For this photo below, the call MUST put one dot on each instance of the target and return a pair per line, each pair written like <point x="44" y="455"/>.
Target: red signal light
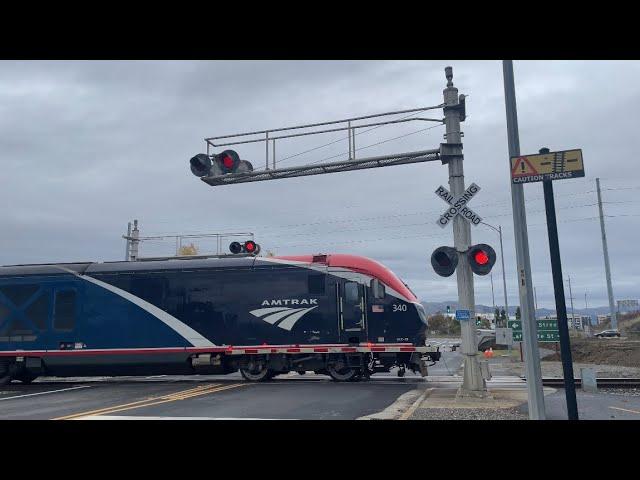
<point x="250" y="246"/>
<point x="481" y="257"/>
<point x="228" y="162"/>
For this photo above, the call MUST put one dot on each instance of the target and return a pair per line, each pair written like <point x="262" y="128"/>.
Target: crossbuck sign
<point x="458" y="205"/>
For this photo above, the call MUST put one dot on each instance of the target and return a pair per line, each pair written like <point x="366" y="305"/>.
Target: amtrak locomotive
<point x="341" y="315"/>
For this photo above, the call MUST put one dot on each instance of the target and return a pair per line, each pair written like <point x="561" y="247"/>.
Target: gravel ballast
<point x="468" y="414"/>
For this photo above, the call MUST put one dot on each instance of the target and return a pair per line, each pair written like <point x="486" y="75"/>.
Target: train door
<point x="352" y="311"/>
<point x="66" y="315"/>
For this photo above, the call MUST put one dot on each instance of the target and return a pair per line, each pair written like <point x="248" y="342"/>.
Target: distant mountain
<point x="435" y="307"/>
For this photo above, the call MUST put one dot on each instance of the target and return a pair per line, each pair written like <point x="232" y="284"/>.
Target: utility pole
<point x="529" y="325"/>
<point x="585" y="301"/>
<point x="473" y="384"/>
<point x="493" y="298"/>
<point x="128" y="250"/>
<point x="573" y="318"/>
<point x="607" y="268"/>
<point x="134" y="241"/>
<point x="504" y="279"/>
<point x="535" y="298"/>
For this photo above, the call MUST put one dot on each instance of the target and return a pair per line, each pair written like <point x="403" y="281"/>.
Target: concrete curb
<point x="416" y="404"/>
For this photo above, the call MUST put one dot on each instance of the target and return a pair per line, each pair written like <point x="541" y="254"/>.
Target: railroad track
<point x="602" y="382"/>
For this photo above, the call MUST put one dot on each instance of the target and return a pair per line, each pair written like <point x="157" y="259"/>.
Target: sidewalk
<point x="506" y="394"/>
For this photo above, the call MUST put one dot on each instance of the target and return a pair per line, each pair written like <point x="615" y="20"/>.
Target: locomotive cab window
<point x="377" y="288"/>
<point x="316" y="284"/>
<point x="351" y="293"/>
<point x="65" y="310"/>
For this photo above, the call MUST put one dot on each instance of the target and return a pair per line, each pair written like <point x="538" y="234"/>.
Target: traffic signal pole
<point x="473" y="384"/>
<point x="525" y="288"/>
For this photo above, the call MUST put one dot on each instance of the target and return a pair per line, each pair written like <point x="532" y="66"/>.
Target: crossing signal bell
<point x="203" y="165"/>
<point x="247" y="247"/>
<point x="481" y="258"/>
<point x="444" y="261"/>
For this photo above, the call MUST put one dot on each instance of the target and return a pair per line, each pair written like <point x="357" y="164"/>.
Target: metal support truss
<point x="321" y="168"/>
<point x="350" y="125"/>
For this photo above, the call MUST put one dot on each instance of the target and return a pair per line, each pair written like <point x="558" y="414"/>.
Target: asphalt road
<point x="290" y="396"/>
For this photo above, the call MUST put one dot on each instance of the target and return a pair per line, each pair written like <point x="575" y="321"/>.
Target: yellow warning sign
<point x="547" y="166"/>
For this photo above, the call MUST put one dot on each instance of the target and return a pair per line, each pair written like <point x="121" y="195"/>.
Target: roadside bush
<point x="442" y="324"/>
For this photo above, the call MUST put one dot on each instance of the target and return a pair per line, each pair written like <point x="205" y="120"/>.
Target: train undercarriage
<point x="340" y="367"/>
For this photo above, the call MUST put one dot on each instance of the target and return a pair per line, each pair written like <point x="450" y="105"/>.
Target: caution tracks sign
<point x="547" y="166"/>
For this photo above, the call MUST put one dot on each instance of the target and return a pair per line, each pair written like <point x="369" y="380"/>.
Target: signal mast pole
<point x="473" y="384"/>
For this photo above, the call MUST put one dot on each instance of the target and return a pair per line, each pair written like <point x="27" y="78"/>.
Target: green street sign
<point x="547" y="330"/>
<point x="546" y="325"/>
<point x="542" y="336"/>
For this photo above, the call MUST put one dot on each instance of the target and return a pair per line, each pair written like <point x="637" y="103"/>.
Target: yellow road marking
<point x="625" y="409"/>
<point x="133" y="403"/>
<point x="181" y="395"/>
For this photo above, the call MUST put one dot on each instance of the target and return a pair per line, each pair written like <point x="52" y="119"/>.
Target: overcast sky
<point x="87" y="146"/>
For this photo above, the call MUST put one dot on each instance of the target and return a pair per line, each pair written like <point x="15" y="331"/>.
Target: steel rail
<point x="601" y="382"/>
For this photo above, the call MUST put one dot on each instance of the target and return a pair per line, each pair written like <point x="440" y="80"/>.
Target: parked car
<point x="608" y="333"/>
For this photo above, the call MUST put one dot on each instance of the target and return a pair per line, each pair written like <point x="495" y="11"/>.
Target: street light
<point x="504" y="280"/>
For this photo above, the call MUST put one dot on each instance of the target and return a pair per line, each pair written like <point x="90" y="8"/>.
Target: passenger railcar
<point x="342" y="315"/>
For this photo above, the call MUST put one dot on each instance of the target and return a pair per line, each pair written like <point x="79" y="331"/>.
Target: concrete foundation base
<point x="467" y="394"/>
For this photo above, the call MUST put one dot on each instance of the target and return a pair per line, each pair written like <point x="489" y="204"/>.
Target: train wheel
<point x="5" y="373"/>
<point x="345" y="374"/>
<point x="27" y="377"/>
<point x="257" y="374"/>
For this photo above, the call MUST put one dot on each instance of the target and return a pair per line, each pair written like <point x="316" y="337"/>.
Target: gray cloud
<point x="87" y="146"/>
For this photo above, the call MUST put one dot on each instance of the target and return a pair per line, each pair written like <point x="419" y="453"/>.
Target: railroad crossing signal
<point x="547" y="166"/>
<point x="444" y="261"/>
<point x="203" y="165"/>
<point x="481" y="257"/>
<point x="458" y="205"/>
<point x="247" y="247"/>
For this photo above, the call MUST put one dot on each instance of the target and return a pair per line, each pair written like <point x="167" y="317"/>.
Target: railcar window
<point x="65" y="311"/>
<point x="316" y="284"/>
<point x="38" y="311"/>
<point x="351" y="293"/>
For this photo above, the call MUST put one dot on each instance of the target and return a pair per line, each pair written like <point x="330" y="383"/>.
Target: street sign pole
<point x="473" y="384"/>
<point x="532" y="357"/>
<point x="561" y="308"/>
